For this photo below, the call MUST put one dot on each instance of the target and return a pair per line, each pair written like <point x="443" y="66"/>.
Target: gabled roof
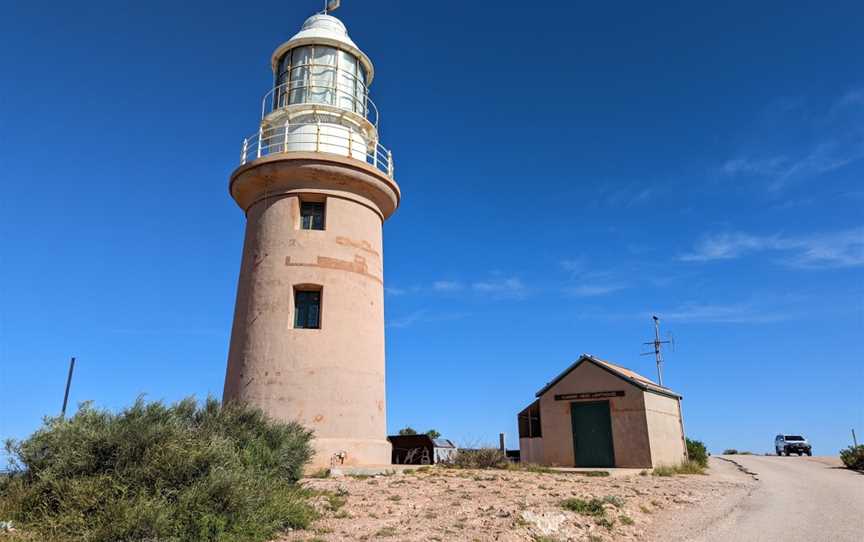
<point x="623" y="373"/>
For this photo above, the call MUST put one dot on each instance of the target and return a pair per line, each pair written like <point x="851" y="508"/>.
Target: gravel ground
<point x="796" y="499"/>
<point x="448" y="504"/>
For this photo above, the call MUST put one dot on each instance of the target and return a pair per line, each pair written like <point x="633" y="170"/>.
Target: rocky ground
<point x="484" y="505"/>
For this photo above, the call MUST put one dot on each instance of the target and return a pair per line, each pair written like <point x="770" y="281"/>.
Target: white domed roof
<point x="321" y="25"/>
<point x="326" y="30"/>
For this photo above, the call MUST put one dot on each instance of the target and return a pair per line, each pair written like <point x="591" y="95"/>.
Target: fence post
<point x="390" y="167"/>
<point x="68" y="384"/>
<point x="260" y="138"/>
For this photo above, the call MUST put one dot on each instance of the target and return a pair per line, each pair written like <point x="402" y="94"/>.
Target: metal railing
<point x="317" y="137"/>
<point x="339" y="96"/>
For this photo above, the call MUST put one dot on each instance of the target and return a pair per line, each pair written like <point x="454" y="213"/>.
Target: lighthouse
<point x="316" y="185"/>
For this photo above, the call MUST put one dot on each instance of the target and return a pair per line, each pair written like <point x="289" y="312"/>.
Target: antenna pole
<point x="68" y="384"/>
<point x="658" y="355"/>
<point x="658" y="349"/>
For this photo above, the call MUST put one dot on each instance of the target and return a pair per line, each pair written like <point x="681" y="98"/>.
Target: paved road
<point x="795" y="499"/>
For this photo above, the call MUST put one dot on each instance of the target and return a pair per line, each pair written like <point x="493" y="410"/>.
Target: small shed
<point x="599" y="414"/>
<point x="420" y="449"/>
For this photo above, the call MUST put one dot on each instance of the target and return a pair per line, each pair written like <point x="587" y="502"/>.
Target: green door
<point x="592" y="434"/>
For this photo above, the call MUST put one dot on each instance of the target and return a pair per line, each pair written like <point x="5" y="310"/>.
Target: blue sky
<point x="566" y="172"/>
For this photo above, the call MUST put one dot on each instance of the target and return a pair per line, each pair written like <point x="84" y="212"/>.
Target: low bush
<point x="481" y="458"/>
<point x="730" y="451"/>
<point x="687" y="467"/>
<point x="614" y="500"/>
<point x="697" y="452"/>
<point x="594" y="473"/>
<point x="179" y="473"/>
<point x="592" y="507"/>
<point x="853" y="457"/>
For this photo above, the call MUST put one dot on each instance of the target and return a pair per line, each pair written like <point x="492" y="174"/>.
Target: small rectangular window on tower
<point x="307" y="309"/>
<point x="311" y="215"/>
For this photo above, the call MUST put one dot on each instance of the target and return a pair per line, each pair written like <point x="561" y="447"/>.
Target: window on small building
<point x="307" y="309"/>
<point x="529" y="421"/>
<point x="311" y="215"/>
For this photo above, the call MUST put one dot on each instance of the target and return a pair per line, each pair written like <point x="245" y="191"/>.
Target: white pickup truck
<point x="790" y="444"/>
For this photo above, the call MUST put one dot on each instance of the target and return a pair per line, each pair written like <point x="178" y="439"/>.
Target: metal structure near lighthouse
<point x="307" y="343"/>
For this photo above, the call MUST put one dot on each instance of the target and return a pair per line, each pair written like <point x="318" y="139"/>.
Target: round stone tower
<point x="316" y="185"/>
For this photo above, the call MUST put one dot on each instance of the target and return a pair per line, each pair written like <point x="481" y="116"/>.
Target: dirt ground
<point x="484" y="505"/>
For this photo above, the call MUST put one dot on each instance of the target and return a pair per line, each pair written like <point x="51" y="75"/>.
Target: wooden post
<point x="68" y="384"/>
<point x="854" y="440"/>
<point x="501" y="445"/>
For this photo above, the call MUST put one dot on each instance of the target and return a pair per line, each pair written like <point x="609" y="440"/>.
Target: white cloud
<point x="589" y="290"/>
<point x="590" y="283"/>
<point x="574" y="266"/>
<point x="824" y="157"/>
<point x="408" y="319"/>
<point x="395" y="291"/>
<point x="841" y="249"/>
<point x="447" y="286"/>
<point x="423" y="316"/>
<point x="725" y="314"/>
<point x="837" y="140"/>
<point x="625" y="195"/>
<point x="821" y="251"/>
<point x="727" y="246"/>
<point x="497" y="286"/>
<point x="510" y="287"/>
<point x="755" y="166"/>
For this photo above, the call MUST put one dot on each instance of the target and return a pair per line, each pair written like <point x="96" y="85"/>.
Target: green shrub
<point x="687" y="467"/>
<point x="595" y="473"/>
<point x="697" y="452"/>
<point x="530" y="467"/>
<point x="614" y="500"/>
<point x="593" y="507"/>
<point x="853" y="457"/>
<point x="481" y="458"/>
<point x="169" y="473"/>
<point x="730" y="451"/>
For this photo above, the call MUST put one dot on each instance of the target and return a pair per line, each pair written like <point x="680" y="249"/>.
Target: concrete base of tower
<point x="338" y="452"/>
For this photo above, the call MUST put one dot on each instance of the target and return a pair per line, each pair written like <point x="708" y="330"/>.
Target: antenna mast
<point x="658" y="353"/>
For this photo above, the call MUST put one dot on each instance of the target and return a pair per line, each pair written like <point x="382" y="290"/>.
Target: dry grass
<point x="687" y="467"/>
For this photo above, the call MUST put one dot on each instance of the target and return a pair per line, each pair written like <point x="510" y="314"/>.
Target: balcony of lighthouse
<point x="316" y="130"/>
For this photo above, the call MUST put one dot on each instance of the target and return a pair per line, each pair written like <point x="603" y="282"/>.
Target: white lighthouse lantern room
<point x="320" y="99"/>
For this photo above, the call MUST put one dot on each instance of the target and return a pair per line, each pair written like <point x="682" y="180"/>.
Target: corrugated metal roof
<point x="631" y="376"/>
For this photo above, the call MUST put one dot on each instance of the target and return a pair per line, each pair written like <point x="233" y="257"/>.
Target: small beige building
<point x="598" y="414"/>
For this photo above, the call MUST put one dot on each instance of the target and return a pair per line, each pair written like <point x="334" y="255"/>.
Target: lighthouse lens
<point x="319" y="74"/>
